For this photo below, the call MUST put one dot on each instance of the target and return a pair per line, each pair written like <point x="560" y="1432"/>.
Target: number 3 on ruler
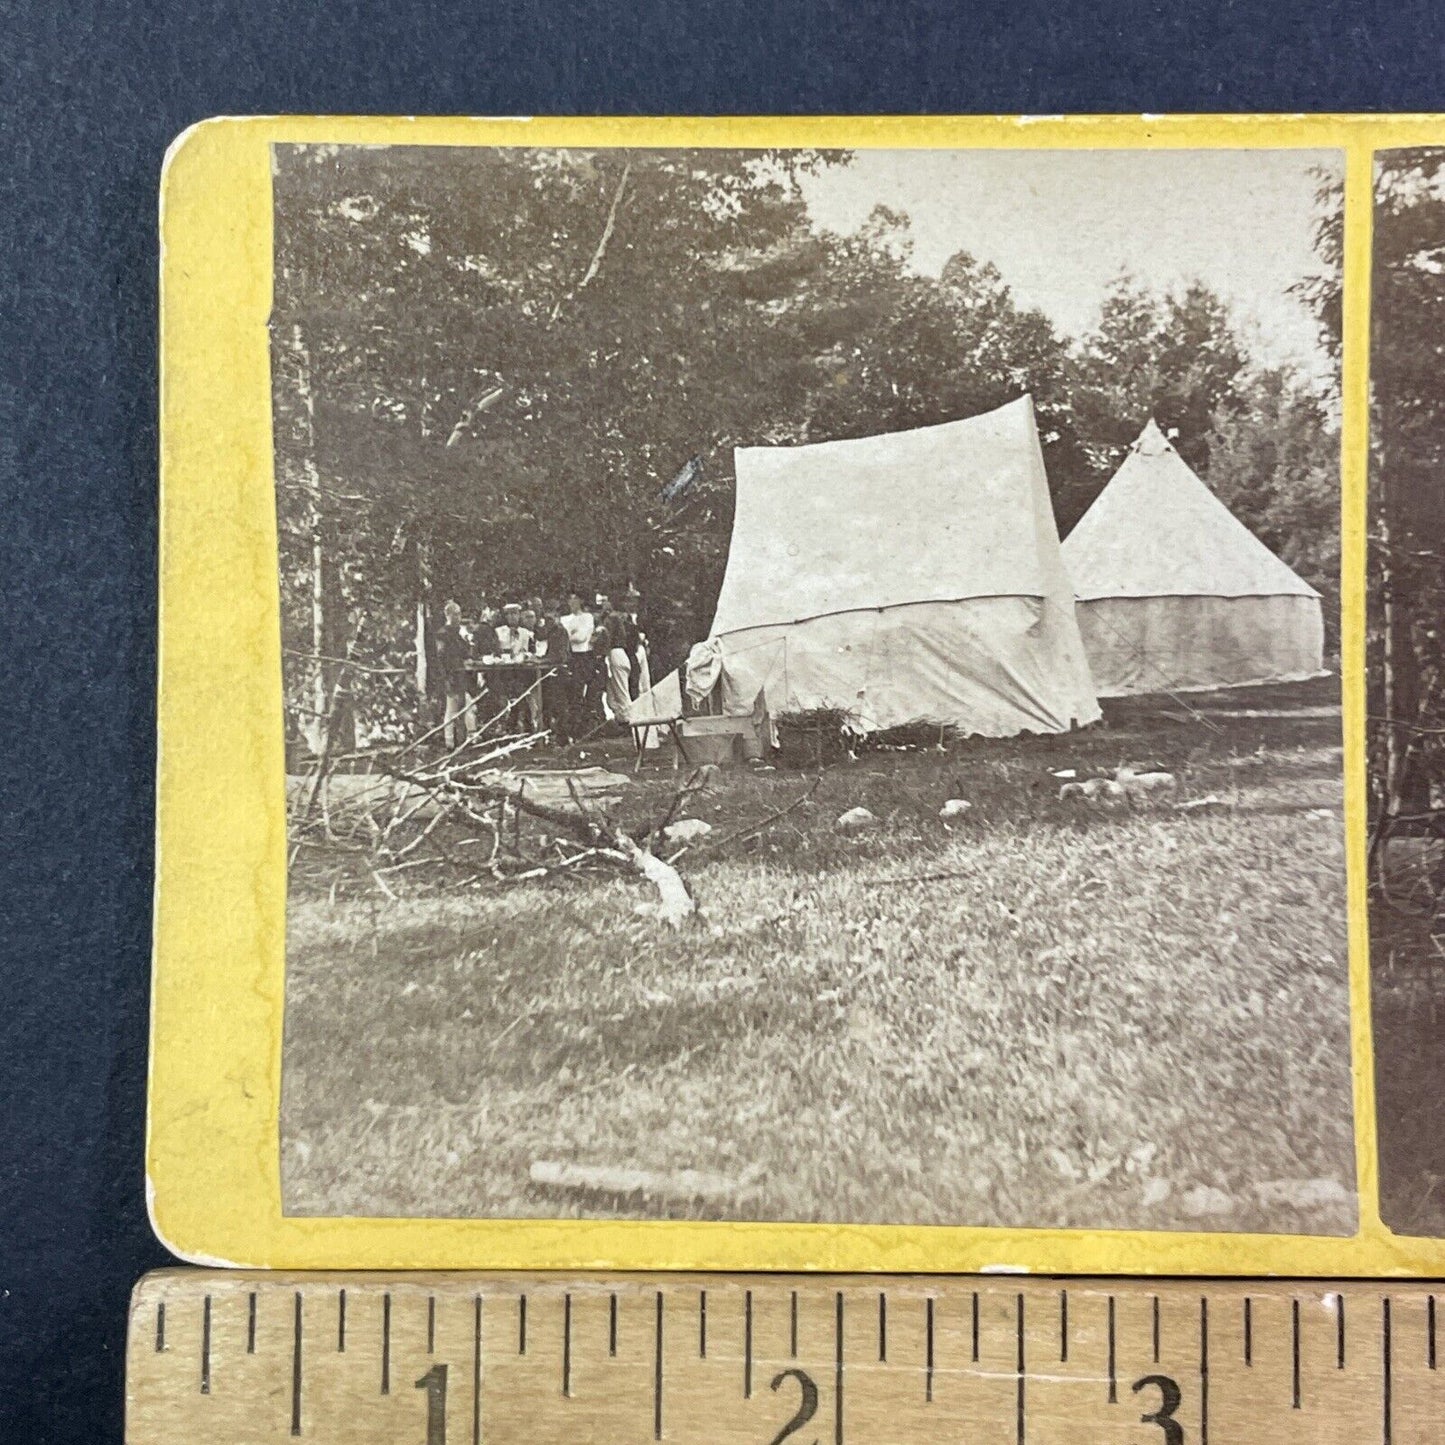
<point x="434" y="1382"/>
<point x="1170" y="1397"/>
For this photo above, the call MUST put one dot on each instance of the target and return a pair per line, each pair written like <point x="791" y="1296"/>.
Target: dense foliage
<point x="489" y="363"/>
<point x="1407" y="528"/>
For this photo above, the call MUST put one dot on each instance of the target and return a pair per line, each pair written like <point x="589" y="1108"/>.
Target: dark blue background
<point x="92" y="93"/>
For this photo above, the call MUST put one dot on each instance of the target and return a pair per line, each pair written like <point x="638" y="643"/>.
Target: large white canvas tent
<point x="913" y="576"/>
<point x="1176" y="594"/>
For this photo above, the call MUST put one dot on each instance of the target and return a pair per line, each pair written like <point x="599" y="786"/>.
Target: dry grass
<point x="1100" y="1017"/>
<point x="1407" y="968"/>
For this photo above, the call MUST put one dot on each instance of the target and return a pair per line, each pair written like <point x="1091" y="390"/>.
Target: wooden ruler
<point x="226" y="1357"/>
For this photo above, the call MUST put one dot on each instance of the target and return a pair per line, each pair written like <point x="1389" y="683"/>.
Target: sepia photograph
<point x="1405" y="669"/>
<point x="811" y="685"/>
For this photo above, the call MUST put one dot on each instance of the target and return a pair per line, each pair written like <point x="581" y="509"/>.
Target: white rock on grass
<point x="954" y="808"/>
<point x="686" y="830"/>
<point x="1303" y="1193"/>
<point x="1205" y="1200"/>
<point x="855" y="820"/>
<point x="680" y="1184"/>
<point x="1211" y="804"/>
<point x="1156" y="1191"/>
<point x="1145" y="785"/>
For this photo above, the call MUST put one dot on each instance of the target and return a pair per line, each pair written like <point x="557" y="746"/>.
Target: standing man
<point x="451" y="657"/>
<point x="642" y="675"/>
<point x="482" y="634"/>
<point x="532" y="649"/>
<point x="513" y="643"/>
<point x="513" y="638"/>
<point x="554" y="647"/>
<point x="581" y="627"/>
<point x="621" y="646"/>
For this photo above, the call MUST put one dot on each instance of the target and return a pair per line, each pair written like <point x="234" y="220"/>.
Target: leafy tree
<point x="1274" y="460"/>
<point x="488" y="364"/>
<point x="1407" y="531"/>
<point x="1175" y="357"/>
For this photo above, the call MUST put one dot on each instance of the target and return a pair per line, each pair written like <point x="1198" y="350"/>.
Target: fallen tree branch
<point x="606" y="839"/>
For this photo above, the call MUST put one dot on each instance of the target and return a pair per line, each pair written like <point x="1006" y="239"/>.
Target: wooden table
<point x="526" y="671"/>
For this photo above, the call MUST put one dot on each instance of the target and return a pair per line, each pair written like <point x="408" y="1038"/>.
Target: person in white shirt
<point x="582" y="677"/>
<point x="514" y="639"/>
<point x="514" y="642"/>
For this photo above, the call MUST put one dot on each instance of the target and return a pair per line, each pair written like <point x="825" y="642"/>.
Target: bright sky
<point x="1061" y="225"/>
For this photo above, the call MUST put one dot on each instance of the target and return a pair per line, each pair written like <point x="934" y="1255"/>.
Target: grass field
<point x="1407" y="970"/>
<point x="1117" y="1019"/>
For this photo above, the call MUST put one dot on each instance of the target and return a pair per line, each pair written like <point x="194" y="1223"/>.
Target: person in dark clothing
<point x="452" y="652"/>
<point x="619" y="654"/>
<point x="552" y="644"/>
<point x="483" y="637"/>
<point x="637" y="645"/>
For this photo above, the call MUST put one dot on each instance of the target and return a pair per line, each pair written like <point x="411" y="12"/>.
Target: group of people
<point x="590" y="662"/>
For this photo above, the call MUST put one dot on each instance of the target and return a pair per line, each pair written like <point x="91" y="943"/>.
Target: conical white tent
<point x="1176" y="594"/>
<point x="913" y="576"/>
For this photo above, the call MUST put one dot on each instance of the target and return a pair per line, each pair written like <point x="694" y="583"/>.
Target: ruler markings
<point x="386" y="1344"/>
<point x="1113" y="1357"/>
<point x="657" y="1374"/>
<point x="206" y="1346"/>
<point x="190" y="1334"/>
<point x="1387" y="1424"/>
<point x="1022" y="1367"/>
<point x="1203" y="1371"/>
<point x="296" y="1366"/>
<point x="747" y="1345"/>
<point x="477" y="1370"/>
<point x="567" y="1344"/>
<point x="1295" y="1355"/>
<point x="928" y="1350"/>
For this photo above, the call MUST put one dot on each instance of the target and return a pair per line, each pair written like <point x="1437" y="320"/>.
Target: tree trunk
<point x="1406" y="783"/>
<point x="421" y="584"/>
<point x="334" y="720"/>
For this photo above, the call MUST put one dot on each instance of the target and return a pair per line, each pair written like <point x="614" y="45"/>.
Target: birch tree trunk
<point x="1407" y="787"/>
<point x="333" y="722"/>
<point x="421" y="556"/>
